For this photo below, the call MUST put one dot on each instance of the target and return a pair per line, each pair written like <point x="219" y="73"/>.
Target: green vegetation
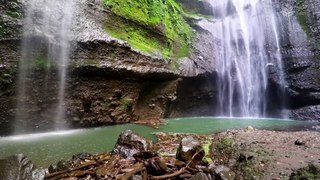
<point x="312" y="171"/>
<point x="7" y="76"/>
<point x="302" y="16"/>
<point x="225" y="143"/>
<point x="4" y="30"/>
<point x="12" y="9"/>
<point x="127" y="104"/>
<point x="206" y="145"/>
<point x="153" y="26"/>
<point x="41" y="62"/>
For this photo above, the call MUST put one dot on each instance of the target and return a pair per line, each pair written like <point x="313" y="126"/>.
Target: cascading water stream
<point x="43" y="64"/>
<point x="247" y="45"/>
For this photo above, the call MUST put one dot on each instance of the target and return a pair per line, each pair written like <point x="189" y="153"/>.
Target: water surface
<point x="47" y="148"/>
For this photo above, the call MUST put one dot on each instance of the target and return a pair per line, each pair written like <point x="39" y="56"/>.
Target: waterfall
<point x="43" y="63"/>
<point x="247" y="46"/>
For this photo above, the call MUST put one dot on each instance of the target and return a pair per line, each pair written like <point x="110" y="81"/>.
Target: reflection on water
<point x="47" y="148"/>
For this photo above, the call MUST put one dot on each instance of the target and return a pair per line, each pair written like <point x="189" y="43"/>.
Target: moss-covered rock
<point x="153" y="26"/>
<point x="11" y="12"/>
<point x="7" y="77"/>
<point x="312" y="171"/>
<point x="302" y="15"/>
<point x="200" y="7"/>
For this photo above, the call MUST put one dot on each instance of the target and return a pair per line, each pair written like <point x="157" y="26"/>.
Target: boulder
<point x="19" y="167"/>
<point x="306" y="113"/>
<point x="190" y="151"/>
<point x="223" y="173"/>
<point x="130" y="143"/>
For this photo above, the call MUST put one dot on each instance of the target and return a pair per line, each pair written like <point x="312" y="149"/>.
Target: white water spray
<point x="247" y="44"/>
<point x="43" y="65"/>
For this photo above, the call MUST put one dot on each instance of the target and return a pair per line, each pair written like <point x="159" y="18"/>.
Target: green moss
<point x="4" y="30"/>
<point x="302" y="16"/>
<point x="7" y="77"/>
<point x="152" y="26"/>
<point x="13" y="10"/>
<point x="138" y="37"/>
<point x="127" y="104"/>
<point x="227" y="142"/>
<point x="13" y="14"/>
<point x="41" y="62"/>
<point x="7" y="25"/>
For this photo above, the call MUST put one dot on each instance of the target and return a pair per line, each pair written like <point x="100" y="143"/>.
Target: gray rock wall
<point x="300" y="32"/>
<point x="109" y="82"/>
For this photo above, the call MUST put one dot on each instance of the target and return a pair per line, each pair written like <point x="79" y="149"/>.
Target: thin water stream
<point x="47" y="148"/>
<point x="43" y="65"/>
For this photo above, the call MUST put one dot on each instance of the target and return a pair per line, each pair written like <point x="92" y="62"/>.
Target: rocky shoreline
<point x="234" y="154"/>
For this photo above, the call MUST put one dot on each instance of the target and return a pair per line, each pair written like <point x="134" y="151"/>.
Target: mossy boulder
<point x="312" y="171"/>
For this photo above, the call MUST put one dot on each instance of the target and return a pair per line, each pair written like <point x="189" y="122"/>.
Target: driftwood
<point x="148" y="165"/>
<point x="166" y="176"/>
<point x="86" y="165"/>
<point x="50" y="176"/>
<point x="128" y="175"/>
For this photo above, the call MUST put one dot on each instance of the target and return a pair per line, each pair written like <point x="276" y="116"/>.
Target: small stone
<point x="63" y="165"/>
<point x="250" y="129"/>
<point x="76" y="119"/>
<point x="299" y="142"/>
<point x="137" y="177"/>
<point x="223" y="173"/>
<point x="246" y="156"/>
<point x="152" y="106"/>
<point x="118" y="93"/>
<point x="114" y="104"/>
<point x="200" y="176"/>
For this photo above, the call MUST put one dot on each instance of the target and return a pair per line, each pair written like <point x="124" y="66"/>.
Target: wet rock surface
<point x="203" y="7"/>
<point x="299" y="30"/>
<point x="195" y="96"/>
<point x="129" y="144"/>
<point x="10" y="19"/>
<point x="223" y="173"/>
<point x="190" y="151"/>
<point x="99" y="66"/>
<point x="19" y="167"/>
<point x="306" y="113"/>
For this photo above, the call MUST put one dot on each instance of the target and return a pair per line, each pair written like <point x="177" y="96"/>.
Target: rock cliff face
<point x="109" y="81"/>
<point x="300" y="34"/>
